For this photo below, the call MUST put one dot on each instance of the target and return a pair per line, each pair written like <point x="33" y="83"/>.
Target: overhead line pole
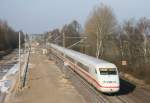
<point x="64" y="40"/>
<point x="19" y="62"/>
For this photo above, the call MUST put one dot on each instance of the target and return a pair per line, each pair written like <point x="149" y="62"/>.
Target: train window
<point x="108" y="71"/>
<point x="70" y="58"/>
<point x="83" y="67"/>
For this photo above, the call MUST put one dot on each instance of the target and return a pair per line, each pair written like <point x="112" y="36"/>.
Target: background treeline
<point x="126" y="44"/>
<point x="8" y="37"/>
<point x="69" y="34"/>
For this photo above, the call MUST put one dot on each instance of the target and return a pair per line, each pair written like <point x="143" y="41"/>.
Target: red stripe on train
<point x="89" y="76"/>
<point x="97" y="85"/>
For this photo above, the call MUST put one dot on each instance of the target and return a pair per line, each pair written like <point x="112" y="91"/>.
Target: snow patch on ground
<point x="5" y="84"/>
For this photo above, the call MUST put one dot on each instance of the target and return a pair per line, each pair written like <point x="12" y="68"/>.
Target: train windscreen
<point x="108" y="71"/>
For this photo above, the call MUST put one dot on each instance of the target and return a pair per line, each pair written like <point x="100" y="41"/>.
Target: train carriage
<point x="103" y="75"/>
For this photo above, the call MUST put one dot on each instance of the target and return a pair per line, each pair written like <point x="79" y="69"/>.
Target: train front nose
<point x="110" y="84"/>
<point x="110" y="88"/>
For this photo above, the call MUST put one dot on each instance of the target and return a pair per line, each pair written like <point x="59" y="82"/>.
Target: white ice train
<point x="103" y="75"/>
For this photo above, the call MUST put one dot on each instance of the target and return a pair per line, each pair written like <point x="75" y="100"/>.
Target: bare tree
<point x="144" y="29"/>
<point x="100" y="24"/>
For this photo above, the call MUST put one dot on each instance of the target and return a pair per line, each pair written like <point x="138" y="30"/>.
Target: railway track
<point x="86" y="89"/>
<point x="8" y="59"/>
<point x="6" y="62"/>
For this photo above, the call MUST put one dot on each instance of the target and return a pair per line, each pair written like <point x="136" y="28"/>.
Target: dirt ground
<point x="46" y="84"/>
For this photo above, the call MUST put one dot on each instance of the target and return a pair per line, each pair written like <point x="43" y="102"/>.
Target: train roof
<point x="83" y="58"/>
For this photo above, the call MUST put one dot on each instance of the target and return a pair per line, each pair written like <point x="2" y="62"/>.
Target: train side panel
<point x="89" y="72"/>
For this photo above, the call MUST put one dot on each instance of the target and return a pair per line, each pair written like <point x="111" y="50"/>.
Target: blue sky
<point x="37" y="16"/>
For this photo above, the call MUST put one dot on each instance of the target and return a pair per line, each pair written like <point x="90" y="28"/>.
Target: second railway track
<point x="7" y="61"/>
